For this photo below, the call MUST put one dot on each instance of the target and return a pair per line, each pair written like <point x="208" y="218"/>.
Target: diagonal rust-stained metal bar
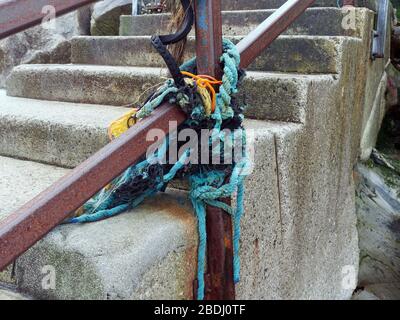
<point x="18" y="15"/>
<point x="24" y="227"/>
<point x="261" y="37"/>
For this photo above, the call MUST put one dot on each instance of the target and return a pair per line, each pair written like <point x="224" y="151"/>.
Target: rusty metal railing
<point x="18" y="15"/>
<point x="24" y="227"/>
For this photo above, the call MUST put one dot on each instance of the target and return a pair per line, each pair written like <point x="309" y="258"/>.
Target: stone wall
<point x="43" y="45"/>
<point x="105" y="16"/>
<point x="379" y="229"/>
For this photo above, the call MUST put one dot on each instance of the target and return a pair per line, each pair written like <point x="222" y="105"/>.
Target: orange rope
<point x="205" y="81"/>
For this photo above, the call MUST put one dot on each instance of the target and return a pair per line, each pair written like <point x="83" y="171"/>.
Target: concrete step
<point x="269" y="4"/>
<point x="23" y="180"/>
<point x="65" y="134"/>
<point x="314" y="21"/>
<point x="302" y="54"/>
<point x="7" y="294"/>
<point x="275" y="96"/>
<point x="57" y="133"/>
<point x="147" y="253"/>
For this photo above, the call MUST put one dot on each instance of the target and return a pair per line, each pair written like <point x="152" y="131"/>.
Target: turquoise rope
<point x="207" y="187"/>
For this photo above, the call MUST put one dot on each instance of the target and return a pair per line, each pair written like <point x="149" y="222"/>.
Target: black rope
<point x="160" y="43"/>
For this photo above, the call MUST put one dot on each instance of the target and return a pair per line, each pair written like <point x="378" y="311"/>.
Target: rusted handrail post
<point x="208" y="37"/>
<point x="219" y="277"/>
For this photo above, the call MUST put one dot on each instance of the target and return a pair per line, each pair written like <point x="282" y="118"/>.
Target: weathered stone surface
<point x="364" y="295"/>
<point x="41" y="45"/>
<point x="6" y="276"/>
<point x="263" y="263"/>
<point x="83" y="83"/>
<point x="20" y="182"/>
<point x="116" y="258"/>
<point x="272" y="96"/>
<point x="316" y="189"/>
<point x="314" y="235"/>
<point x="317" y="201"/>
<point x="380" y="291"/>
<point x="7" y="294"/>
<point x="28" y="178"/>
<point x="172" y="277"/>
<point x="106" y="14"/>
<point x="385" y="291"/>
<point x="297" y="54"/>
<point x="373" y="124"/>
<point x="57" y="133"/>
<point x="374" y="92"/>
<point x="172" y="216"/>
<point x="315" y="21"/>
<point x="268" y="4"/>
<point x="378" y="225"/>
<point x="299" y="231"/>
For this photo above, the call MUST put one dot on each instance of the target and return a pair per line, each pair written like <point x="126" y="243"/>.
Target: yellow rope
<point x="207" y="83"/>
<point x="204" y="95"/>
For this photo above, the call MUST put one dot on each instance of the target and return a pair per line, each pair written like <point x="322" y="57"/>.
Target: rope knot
<point x="206" y="108"/>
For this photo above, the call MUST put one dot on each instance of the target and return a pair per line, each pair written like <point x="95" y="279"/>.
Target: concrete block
<point x="82" y="84"/>
<point x="314" y="21"/>
<point x="319" y="233"/>
<point x="296" y="54"/>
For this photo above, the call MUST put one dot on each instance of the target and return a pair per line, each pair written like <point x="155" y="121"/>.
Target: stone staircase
<point x="310" y="96"/>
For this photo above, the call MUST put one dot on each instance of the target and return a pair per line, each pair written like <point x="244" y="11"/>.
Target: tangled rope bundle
<point x="208" y="183"/>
